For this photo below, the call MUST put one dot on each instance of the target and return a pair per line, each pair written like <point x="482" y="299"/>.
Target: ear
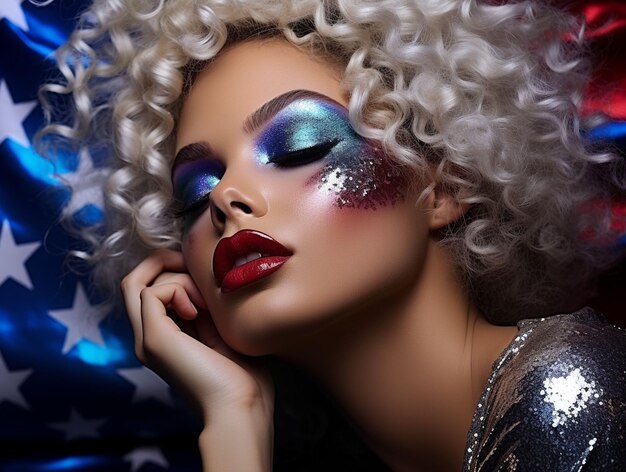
<point x="444" y="209"/>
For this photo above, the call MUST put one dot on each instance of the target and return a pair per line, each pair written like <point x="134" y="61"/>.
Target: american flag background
<point x="73" y="397"/>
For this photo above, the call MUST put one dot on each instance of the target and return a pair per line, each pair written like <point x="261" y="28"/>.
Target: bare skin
<point x="234" y="395"/>
<point x="397" y="342"/>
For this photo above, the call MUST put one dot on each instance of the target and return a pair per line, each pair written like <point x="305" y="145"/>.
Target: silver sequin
<point x="555" y="400"/>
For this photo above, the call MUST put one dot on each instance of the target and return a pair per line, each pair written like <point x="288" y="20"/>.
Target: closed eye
<point x="198" y="206"/>
<point x="192" y="183"/>
<point x="305" y="156"/>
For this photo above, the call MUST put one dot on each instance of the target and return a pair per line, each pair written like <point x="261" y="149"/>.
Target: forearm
<point x="237" y="441"/>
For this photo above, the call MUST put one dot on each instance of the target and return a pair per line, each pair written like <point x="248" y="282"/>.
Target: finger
<point x="187" y="282"/>
<point x="157" y="328"/>
<point x="162" y="260"/>
<point x="174" y="297"/>
<point x="153" y="314"/>
<point x="140" y="277"/>
<point x="172" y="352"/>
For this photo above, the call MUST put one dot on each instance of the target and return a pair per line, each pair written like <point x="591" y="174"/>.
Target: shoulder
<point x="557" y="400"/>
<point x="578" y="345"/>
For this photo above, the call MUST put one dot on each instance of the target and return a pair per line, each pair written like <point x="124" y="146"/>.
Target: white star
<point x="79" y="427"/>
<point x="147" y="385"/>
<point x="12" y="11"/>
<point x="14" y="256"/>
<point x="12" y="116"/>
<point x="144" y="455"/>
<point x="10" y="383"/>
<point x="86" y="184"/>
<point x="81" y="320"/>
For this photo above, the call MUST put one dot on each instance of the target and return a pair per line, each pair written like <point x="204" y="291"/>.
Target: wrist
<point x="237" y="439"/>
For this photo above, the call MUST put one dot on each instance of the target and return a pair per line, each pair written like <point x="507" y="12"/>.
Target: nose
<point x="235" y="201"/>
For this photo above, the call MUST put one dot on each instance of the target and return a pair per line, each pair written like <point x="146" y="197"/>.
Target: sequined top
<point x="555" y="400"/>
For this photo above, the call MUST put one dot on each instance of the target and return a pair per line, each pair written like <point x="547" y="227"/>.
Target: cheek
<point x="364" y="215"/>
<point x="361" y="178"/>
<point x="353" y="195"/>
<point x="198" y="252"/>
<point x="360" y="227"/>
<point x="350" y="258"/>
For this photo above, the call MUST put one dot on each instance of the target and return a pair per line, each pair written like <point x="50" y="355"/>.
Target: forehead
<point x="244" y="77"/>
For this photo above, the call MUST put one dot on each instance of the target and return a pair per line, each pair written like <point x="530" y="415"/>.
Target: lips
<point x="245" y="257"/>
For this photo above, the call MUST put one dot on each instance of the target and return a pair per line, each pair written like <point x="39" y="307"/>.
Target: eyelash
<point x="198" y="205"/>
<point x="291" y="159"/>
<point x="304" y="156"/>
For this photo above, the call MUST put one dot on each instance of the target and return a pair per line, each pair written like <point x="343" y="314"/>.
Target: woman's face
<point x="311" y="222"/>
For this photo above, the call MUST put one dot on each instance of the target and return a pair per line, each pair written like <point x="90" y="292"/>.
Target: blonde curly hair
<point x="483" y="96"/>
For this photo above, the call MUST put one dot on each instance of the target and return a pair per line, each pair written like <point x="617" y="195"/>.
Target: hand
<point x="175" y="336"/>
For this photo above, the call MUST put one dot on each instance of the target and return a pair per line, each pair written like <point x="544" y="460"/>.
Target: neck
<point x="409" y="370"/>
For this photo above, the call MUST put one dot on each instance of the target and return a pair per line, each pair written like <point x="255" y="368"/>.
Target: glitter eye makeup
<point x="193" y="181"/>
<point x="300" y="126"/>
<point x="356" y="172"/>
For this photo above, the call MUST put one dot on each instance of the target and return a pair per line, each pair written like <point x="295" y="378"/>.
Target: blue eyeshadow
<point x="356" y="171"/>
<point x="194" y="180"/>
<point x="353" y="170"/>
<point x="306" y="123"/>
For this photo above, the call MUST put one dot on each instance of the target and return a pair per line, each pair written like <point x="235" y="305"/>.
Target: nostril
<point x="241" y="206"/>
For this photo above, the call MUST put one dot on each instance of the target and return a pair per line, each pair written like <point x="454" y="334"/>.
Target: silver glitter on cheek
<point x="362" y="178"/>
<point x="333" y="180"/>
<point x="568" y="396"/>
<point x="356" y="173"/>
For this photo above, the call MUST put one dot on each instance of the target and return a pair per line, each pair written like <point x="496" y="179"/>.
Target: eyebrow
<point x="259" y="117"/>
<point x="191" y="152"/>
<point x="200" y="150"/>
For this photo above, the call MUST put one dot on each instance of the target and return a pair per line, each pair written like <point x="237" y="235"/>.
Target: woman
<point x="367" y="191"/>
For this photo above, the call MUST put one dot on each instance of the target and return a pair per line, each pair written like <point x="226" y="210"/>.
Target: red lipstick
<point x="245" y="257"/>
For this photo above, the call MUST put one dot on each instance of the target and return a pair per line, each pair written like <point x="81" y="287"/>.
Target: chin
<point x="258" y="341"/>
<point x="268" y="324"/>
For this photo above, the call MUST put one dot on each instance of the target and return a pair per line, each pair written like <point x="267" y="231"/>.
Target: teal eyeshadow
<point x="194" y="180"/>
<point x="305" y="123"/>
<point x="355" y="171"/>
